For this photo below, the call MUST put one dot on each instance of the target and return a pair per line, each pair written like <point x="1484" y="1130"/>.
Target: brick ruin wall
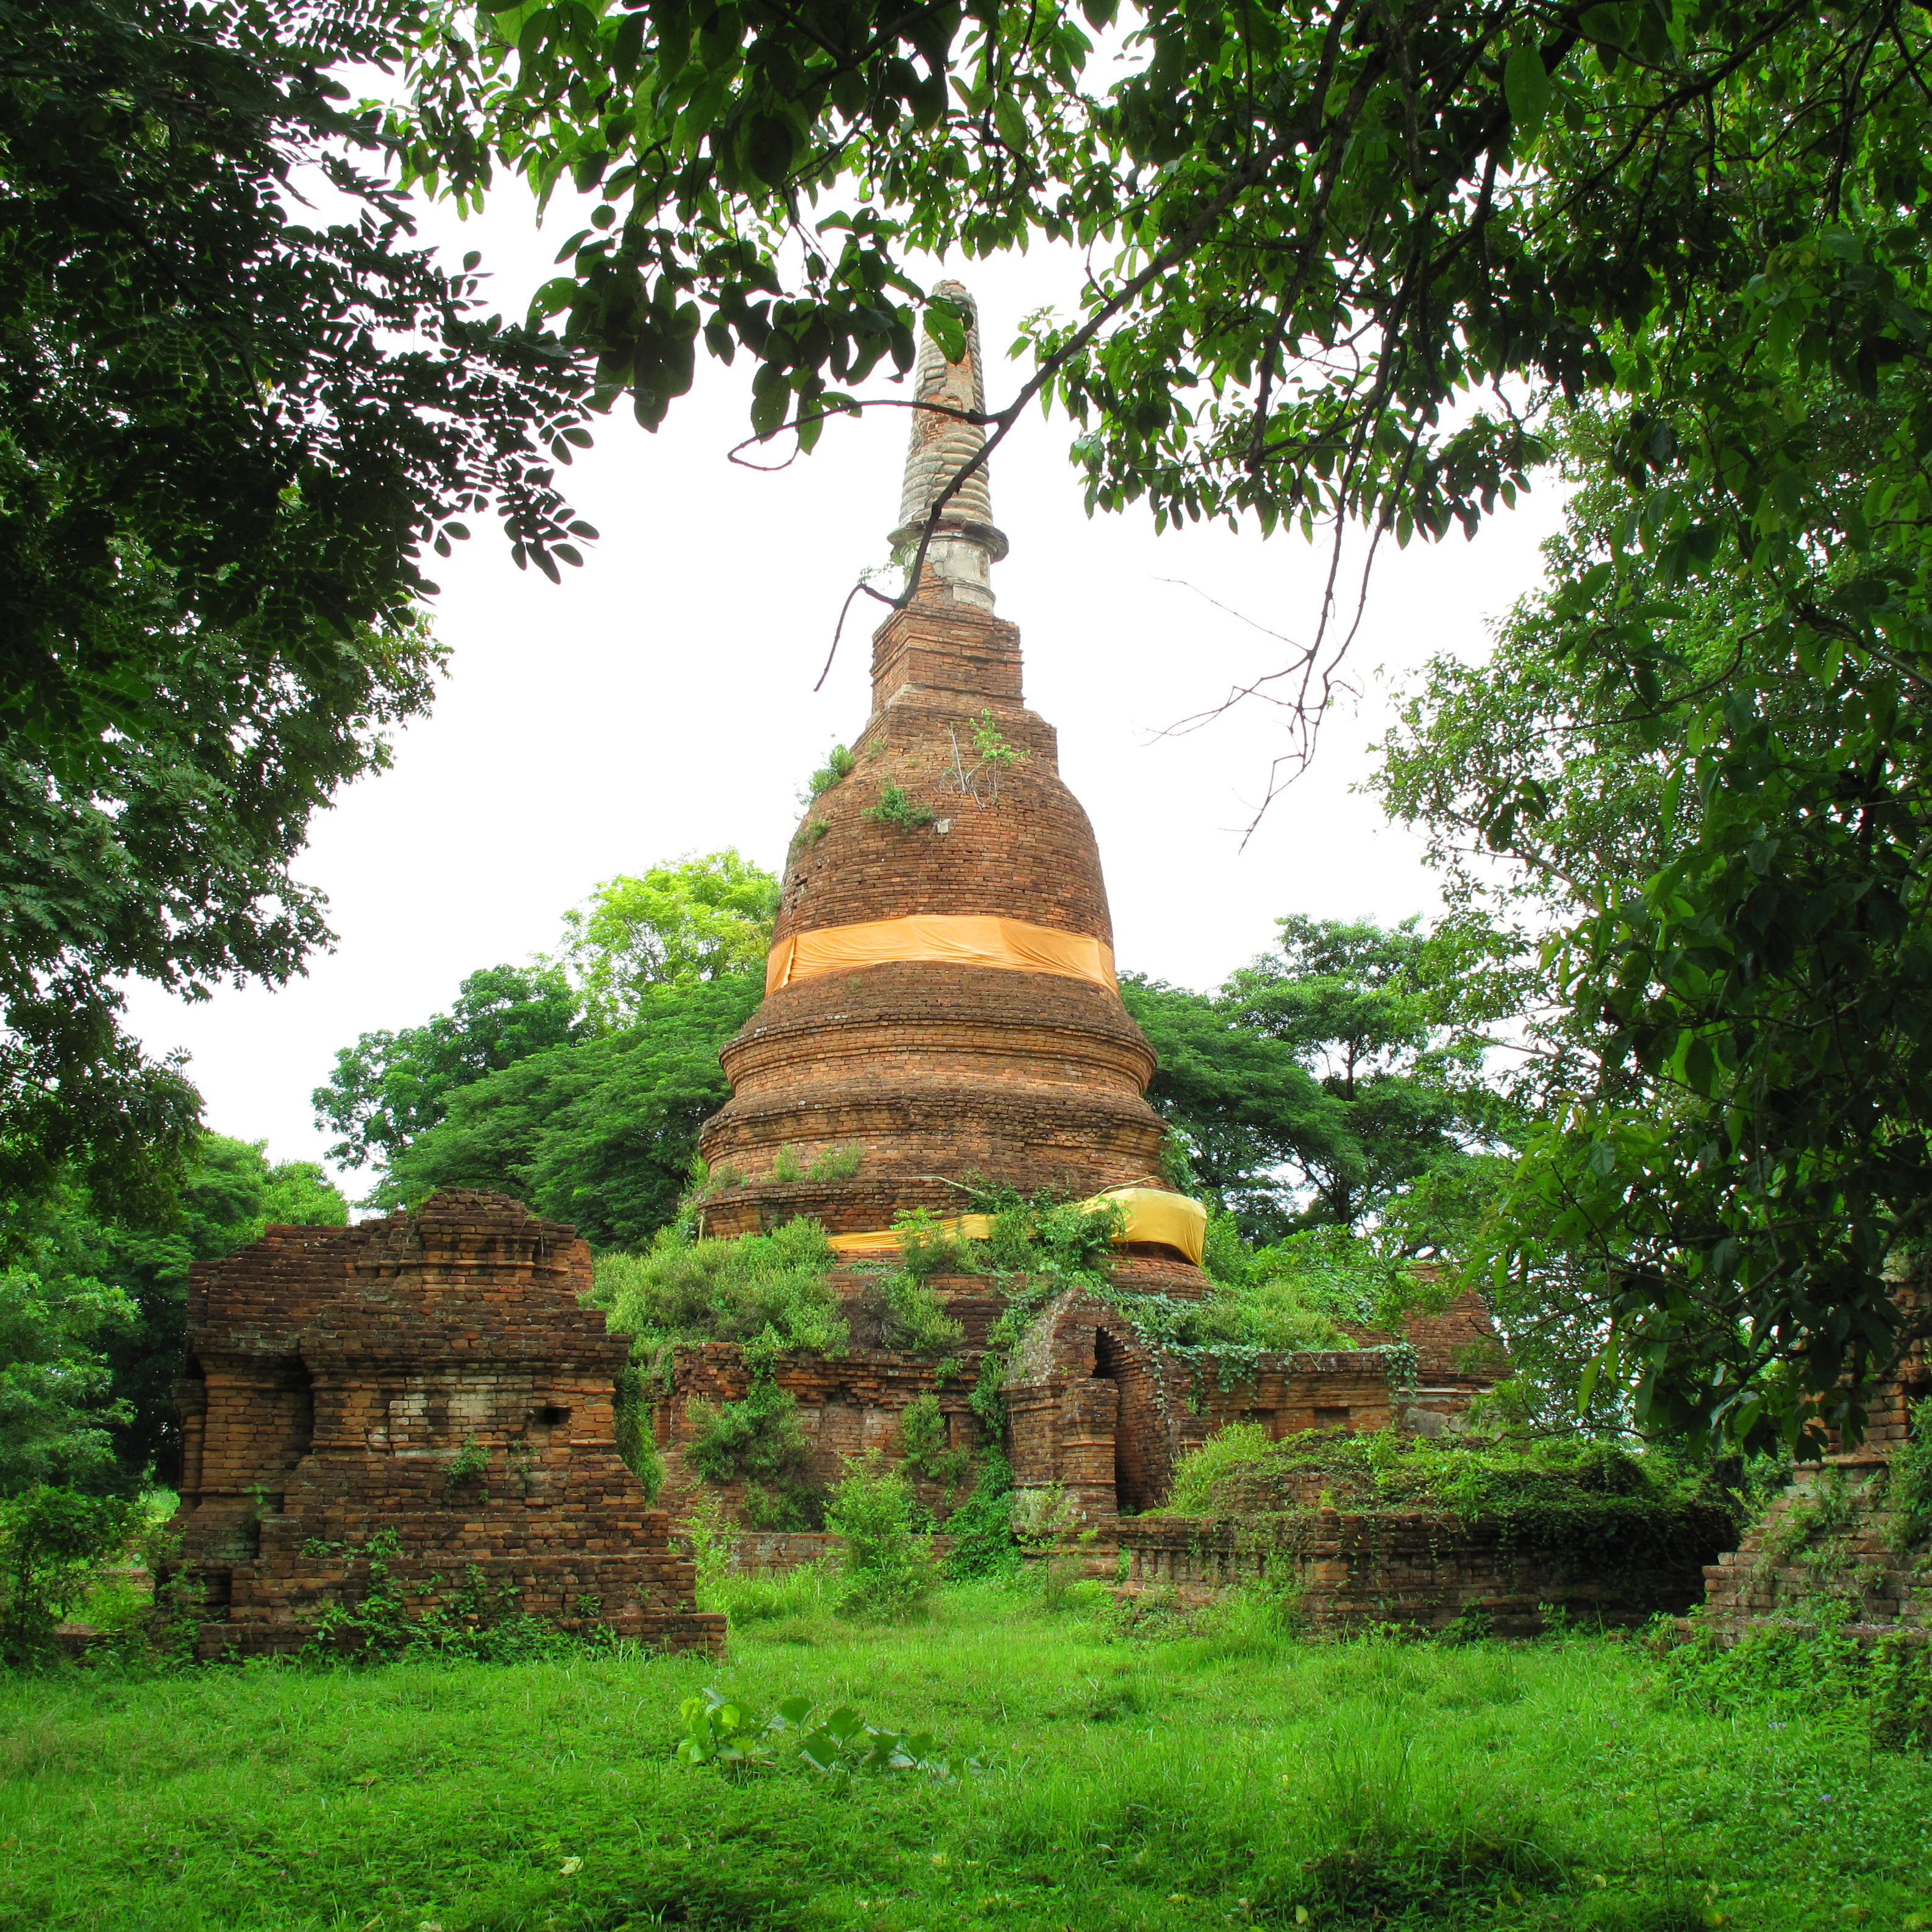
<point x="1827" y="1548"/>
<point x="336" y="1376"/>
<point x="1090" y="1407"/>
<point x="1424" y="1570"/>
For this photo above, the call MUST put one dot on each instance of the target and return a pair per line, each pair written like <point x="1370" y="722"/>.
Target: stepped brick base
<point x="1823" y="1551"/>
<point x="432" y="1376"/>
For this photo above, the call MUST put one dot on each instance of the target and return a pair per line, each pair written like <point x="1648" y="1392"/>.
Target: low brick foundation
<point x="1422" y="1570"/>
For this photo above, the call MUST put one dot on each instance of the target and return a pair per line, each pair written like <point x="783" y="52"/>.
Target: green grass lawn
<point x="1212" y="1778"/>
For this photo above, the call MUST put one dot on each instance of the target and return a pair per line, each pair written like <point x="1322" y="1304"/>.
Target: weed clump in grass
<point x="887" y="1560"/>
<point x="1799" y="1669"/>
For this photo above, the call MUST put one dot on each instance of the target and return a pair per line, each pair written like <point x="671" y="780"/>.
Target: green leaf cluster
<point x="758" y="1441"/>
<point x="718" y="1730"/>
<point x="229" y="427"/>
<point x="52" y="1541"/>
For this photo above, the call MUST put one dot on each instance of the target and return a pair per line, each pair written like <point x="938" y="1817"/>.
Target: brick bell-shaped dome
<point x="940" y="1002"/>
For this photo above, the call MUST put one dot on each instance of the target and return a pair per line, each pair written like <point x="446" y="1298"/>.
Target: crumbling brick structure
<point x="941" y="1008"/>
<point x="1830" y="1545"/>
<point x="434" y="1376"/>
<point x="1092" y="1407"/>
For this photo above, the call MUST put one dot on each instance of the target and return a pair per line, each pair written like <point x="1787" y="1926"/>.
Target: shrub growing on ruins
<point x="389" y="1622"/>
<point x="899" y="1310"/>
<point x="981" y="1527"/>
<point x="922" y="1438"/>
<point x="631" y="1417"/>
<point x="759" y="1442"/>
<point x="769" y="1293"/>
<point x="887" y="1559"/>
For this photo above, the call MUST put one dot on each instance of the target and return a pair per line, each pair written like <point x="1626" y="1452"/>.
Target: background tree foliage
<point x="229" y="428"/>
<point x="701" y="919"/>
<point x="578" y="1085"/>
<point x="1724" y="1028"/>
<point x="390" y="1088"/>
<point x="1337" y="1081"/>
<point x="601" y="1133"/>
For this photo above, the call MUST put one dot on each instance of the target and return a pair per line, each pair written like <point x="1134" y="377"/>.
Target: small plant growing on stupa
<point x="470" y="1464"/>
<point x="993" y="748"/>
<point x="898" y="808"/>
<point x="785" y="1164"/>
<point x="838" y="764"/>
<point x="837" y="1163"/>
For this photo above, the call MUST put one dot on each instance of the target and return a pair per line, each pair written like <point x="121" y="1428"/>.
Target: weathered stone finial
<point x="965" y="542"/>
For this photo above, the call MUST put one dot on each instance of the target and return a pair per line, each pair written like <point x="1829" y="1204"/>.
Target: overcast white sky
<point x="660" y="703"/>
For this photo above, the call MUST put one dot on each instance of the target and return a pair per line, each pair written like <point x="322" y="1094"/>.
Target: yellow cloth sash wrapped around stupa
<point x="963" y="939"/>
<point x="1151" y="1215"/>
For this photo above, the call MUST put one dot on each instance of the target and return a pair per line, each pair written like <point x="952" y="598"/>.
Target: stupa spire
<point x="966" y="543"/>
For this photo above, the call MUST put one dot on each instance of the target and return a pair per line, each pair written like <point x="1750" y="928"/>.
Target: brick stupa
<point x="941" y="996"/>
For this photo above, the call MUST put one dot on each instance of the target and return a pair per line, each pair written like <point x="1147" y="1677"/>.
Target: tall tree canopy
<point x="228" y="429"/>
<point x="1337" y="1081"/>
<point x="578" y="1085"/>
<point x="390" y="1088"/>
<point x="702" y="919"/>
<point x="1716" y="925"/>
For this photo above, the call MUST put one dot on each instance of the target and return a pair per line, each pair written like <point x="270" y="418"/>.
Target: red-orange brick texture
<point x="337" y="1375"/>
